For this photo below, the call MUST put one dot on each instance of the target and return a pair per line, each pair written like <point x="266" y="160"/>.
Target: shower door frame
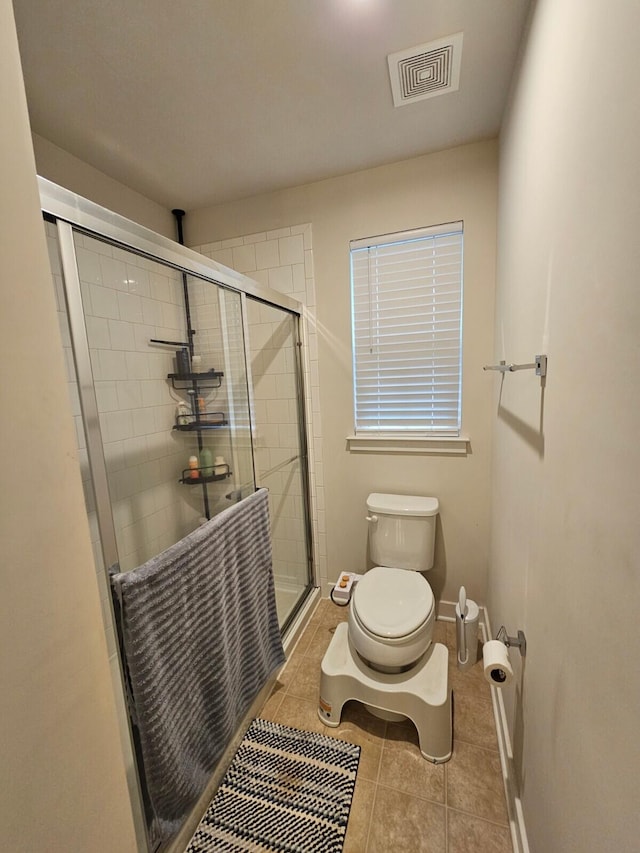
<point x="73" y="213"/>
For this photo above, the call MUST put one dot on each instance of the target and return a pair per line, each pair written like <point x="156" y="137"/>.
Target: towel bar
<point x="539" y="365"/>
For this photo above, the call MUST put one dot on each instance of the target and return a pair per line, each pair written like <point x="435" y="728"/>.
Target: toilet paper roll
<point x="497" y="667"/>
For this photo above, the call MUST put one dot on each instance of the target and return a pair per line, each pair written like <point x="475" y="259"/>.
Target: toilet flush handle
<point x="372" y="519"/>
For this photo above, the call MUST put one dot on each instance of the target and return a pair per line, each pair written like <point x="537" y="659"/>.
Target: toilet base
<point x="422" y="694"/>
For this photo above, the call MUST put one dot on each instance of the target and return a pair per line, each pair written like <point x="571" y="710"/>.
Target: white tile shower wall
<point x="128" y="300"/>
<point x="283" y="261"/>
<point x="216" y="314"/>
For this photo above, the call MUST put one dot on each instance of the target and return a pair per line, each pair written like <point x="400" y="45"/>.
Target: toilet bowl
<point x="391" y="618"/>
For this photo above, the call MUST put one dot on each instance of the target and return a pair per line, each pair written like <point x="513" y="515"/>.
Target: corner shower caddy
<point x="202" y="379"/>
<point x="193" y="384"/>
<point x="199" y="421"/>
<point x="188" y="480"/>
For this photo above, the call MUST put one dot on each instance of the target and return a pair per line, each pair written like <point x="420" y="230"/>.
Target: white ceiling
<point x="206" y="101"/>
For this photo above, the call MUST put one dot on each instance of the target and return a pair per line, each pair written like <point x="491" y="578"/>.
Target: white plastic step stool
<point x="422" y="693"/>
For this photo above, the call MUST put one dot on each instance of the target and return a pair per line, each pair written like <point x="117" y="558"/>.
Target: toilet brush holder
<point x="467" y="619"/>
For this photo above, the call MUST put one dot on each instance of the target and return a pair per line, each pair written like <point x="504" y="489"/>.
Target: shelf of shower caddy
<point x="188" y="480"/>
<point x="204" y="420"/>
<point x="209" y="379"/>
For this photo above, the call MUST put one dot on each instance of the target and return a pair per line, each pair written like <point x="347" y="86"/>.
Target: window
<point x="407" y="332"/>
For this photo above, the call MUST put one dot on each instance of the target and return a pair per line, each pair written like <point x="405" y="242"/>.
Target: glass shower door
<point x="143" y="415"/>
<point x="159" y="368"/>
<point x="280" y="454"/>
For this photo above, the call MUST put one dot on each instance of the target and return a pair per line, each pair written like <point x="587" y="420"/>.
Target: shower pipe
<point x="188" y="344"/>
<point x="179" y="215"/>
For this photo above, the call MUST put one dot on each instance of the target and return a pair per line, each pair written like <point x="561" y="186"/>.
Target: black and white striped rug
<point x="286" y="791"/>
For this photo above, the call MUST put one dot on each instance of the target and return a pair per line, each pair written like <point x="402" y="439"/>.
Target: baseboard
<point x="447" y="611"/>
<point x="514" y="803"/>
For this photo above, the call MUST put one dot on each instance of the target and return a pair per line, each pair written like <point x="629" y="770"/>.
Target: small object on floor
<point x="285" y="790"/>
<point x="343" y="588"/>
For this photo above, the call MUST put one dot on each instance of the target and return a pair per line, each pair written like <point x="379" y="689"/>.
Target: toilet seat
<point x="391" y="617"/>
<point x="392" y="604"/>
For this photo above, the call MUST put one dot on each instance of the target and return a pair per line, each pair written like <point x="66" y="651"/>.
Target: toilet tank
<point x="402" y="530"/>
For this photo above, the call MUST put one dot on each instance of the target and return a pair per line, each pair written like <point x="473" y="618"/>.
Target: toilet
<point x="392" y="609"/>
<point x="384" y="656"/>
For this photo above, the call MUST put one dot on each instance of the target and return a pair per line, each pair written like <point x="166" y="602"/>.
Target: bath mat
<point x="286" y="791"/>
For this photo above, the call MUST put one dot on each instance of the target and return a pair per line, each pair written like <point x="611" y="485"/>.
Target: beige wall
<point x="452" y="185"/>
<point x="68" y="171"/>
<point x="565" y="534"/>
<point x="63" y="783"/>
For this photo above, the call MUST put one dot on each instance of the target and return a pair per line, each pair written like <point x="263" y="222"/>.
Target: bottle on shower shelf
<point x="183" y="414"/>
<point x="194" y="472"/>
<point x="206" y="462"/>
<point x="183" y="362"/>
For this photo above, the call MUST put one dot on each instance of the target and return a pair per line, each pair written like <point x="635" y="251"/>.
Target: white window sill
<point x="442" y="446"/>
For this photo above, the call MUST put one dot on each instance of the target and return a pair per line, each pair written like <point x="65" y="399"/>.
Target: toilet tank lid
<point x="402" y="504"/>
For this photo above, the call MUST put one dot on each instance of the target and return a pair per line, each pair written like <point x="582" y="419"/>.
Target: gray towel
<point x="201" y="637"/>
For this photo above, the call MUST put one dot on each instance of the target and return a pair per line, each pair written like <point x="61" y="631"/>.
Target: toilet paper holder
<point x="520" y="641"/>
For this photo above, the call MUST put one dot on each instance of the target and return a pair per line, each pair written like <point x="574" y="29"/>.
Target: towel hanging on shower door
<point x="200" y="635"/>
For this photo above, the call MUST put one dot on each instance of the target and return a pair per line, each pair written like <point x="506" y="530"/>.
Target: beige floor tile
<point x="474" y="782"/>
<point x="270" y="708"/>
<point x="319" y="644"/>
<point x="305" y="638"/>
<point x="334" y="614"/>
<point x="300" y="714"/>
<point x="473" y="720"/>
<point x="470" y="682"/>
<point x="359" y="817"/>
<point x="310" y="628"/>
<point x="466" y="833"/>
<point x="362" y="728"/>
<point x="451" y="638"/>
<point x="288" y="672"/>
<point x="305" y="682"/>
<point x="318" y="615"/>
<point x="403" y="767"/>
<point x="323" y="605"/>
<point x="439" y="632"/>
<point x="404" y="823"/>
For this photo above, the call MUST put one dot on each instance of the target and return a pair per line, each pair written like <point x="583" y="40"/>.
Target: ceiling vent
<point x="426" y="71"/>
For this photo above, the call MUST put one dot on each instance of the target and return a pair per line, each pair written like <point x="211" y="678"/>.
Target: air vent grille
<point x="426" y="71"/>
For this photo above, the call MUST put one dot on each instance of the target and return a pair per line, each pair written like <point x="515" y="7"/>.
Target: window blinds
<point x="407" y="331"/>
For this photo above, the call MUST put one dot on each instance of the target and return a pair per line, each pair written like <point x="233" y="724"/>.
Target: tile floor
<point x="402" y="803"/>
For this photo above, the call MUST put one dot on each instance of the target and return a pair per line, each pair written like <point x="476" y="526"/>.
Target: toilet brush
<point x="463" y="652"/>
<point x="467" y="614"/>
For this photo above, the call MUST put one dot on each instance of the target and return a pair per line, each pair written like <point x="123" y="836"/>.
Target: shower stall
<point x="186" y="383"/>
